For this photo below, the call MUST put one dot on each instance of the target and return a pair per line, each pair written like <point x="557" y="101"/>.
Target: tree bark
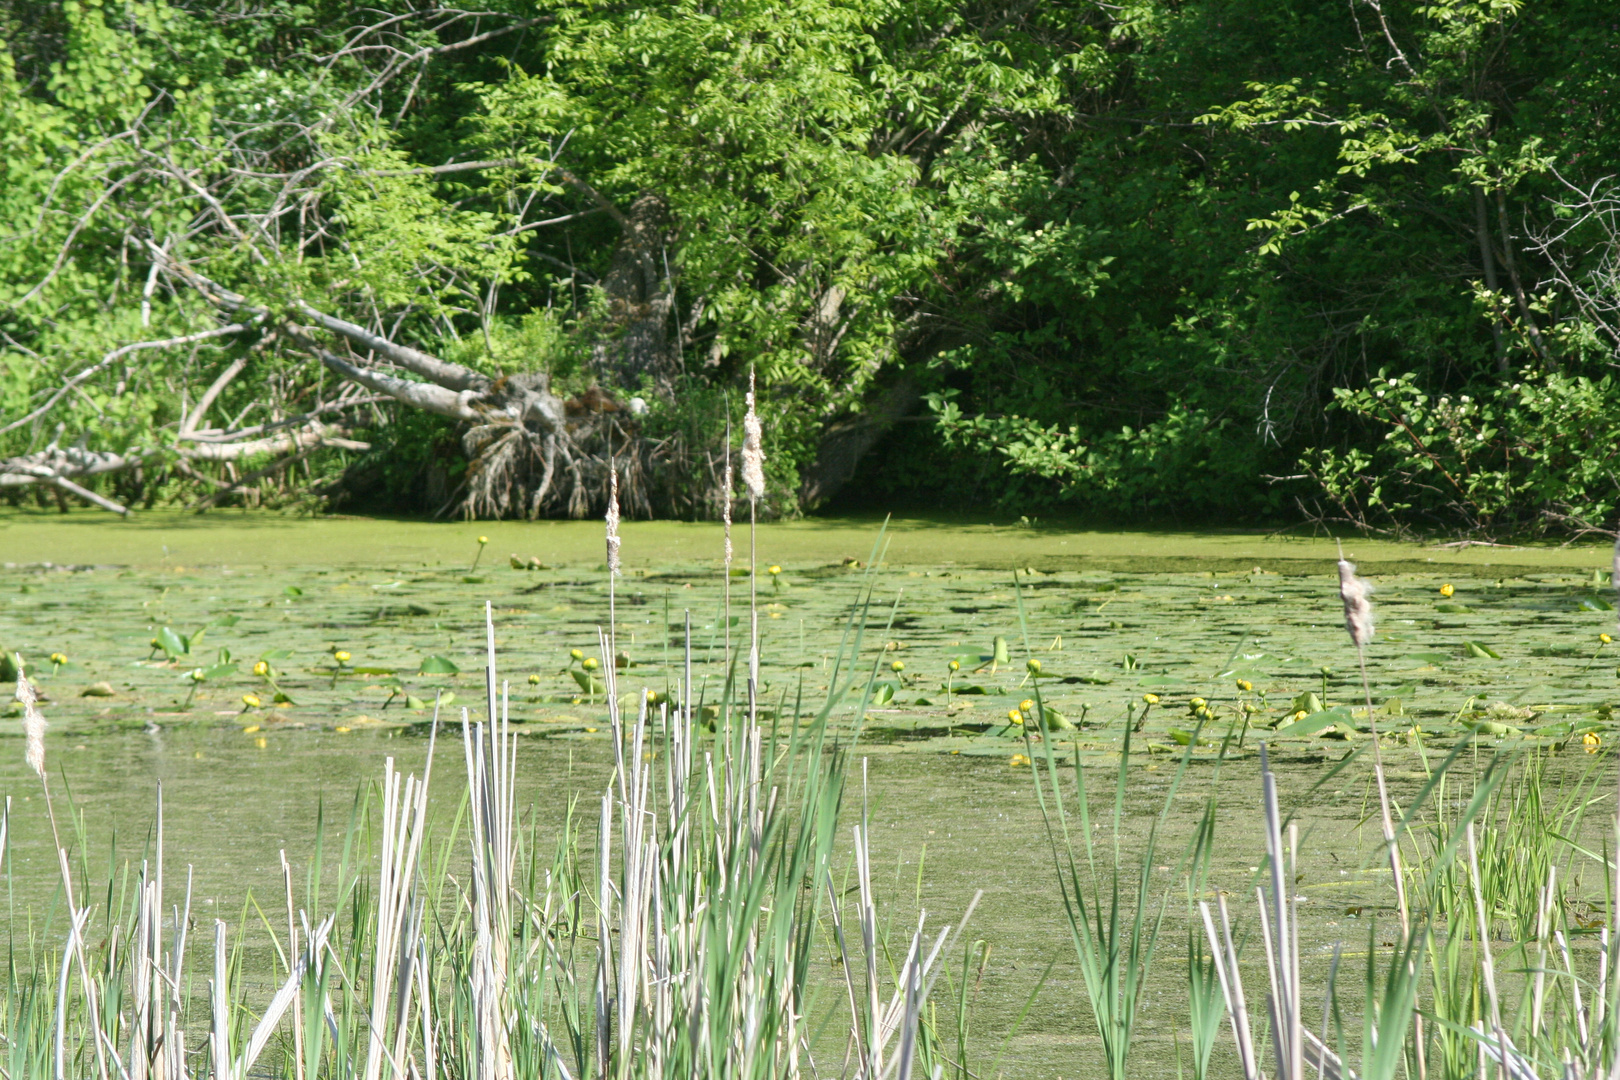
<point x="845" y="441"/>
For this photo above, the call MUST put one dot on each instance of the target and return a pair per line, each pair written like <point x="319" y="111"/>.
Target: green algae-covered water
<point x="1511" y="655"/>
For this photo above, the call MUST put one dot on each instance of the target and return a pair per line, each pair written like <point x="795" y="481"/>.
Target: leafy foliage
<point x="1125" y="254"/>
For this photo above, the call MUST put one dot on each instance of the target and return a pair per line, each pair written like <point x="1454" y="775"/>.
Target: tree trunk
<point x="640" y="296"/>
<point x="846" y="440"/>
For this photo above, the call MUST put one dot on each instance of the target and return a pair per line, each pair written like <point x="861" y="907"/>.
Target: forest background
<point x="1207" y="261"/>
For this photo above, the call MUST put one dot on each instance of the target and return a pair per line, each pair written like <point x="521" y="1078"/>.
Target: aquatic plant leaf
<point x="1453" y="609"/>
<point x="1312" y="724"/>
<point x="172" y="643"/>
<point x="1308" y="702"/>
<point x="1481" y="652"/>
<point x="437" y="665"/>
<point x="587" y="682"/>
<point x="372" y="670"/>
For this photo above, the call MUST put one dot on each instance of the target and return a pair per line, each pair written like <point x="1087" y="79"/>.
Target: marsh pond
<point x="263" y="670"/>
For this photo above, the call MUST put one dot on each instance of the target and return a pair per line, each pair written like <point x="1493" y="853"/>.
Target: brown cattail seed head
<point x="33" y="726"/>
<point x="1354" y="591"/>
<point x="725" y="502"/>
<point x="1614" y="578"/>
<point x="613" y="522"/>
<point x="753" y="453"/>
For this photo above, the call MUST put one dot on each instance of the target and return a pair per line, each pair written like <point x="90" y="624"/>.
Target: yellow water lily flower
<point x="897" y="667"/>
<point x="341" y="656"/>
<point x="1298" y="716"/>
<point x="589" y="663"/>
<point x="1245" y="685"/>
<point x="773" y="570"/>
<point x="1446" y="590"/>
<point x="576" y="654"/>
<point x="1605" y="638"/>
<point x="1017" y="760"/>
<point x="955" y="665"/>
<point x="1197" y="703"/>
<point x="58" y="658"/>
<point x="483" y="540"/>
<point x="1151" y="699"/>
<point x="1034" y="666"/>
<point x="1591" y="740"/>
<point x="534" y="680"/>
<point x="261" y="669"/>
<point x="1014" y="716"/>
<point x="251" y="701"/>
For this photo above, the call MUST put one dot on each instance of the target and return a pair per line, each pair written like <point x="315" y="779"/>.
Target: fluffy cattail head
<point x="725" y="499"/>
<point x="753" y="453"/>
<point x="613" y="521"/>
<point x="1354" y="591"/>
<point x="33" y="725"/>
<point x="1614" y="578"/>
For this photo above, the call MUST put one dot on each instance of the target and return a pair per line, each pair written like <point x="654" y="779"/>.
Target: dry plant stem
<point x="1392" y="846"/>
<point x="1487" y="960"/>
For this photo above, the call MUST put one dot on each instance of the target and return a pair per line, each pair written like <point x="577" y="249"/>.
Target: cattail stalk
<point x="725" y="516"/>
<point x="1358" y="622"/>
<point x="753" y="456"/>
<point x="613" y="563"/>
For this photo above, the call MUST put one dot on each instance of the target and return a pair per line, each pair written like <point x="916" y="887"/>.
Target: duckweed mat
<point x="1233" y="654"/>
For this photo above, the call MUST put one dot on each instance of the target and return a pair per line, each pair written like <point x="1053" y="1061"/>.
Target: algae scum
<point x="344" y="649"/>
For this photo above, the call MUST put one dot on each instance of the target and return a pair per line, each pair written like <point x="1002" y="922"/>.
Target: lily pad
<point x="437" y="665"/>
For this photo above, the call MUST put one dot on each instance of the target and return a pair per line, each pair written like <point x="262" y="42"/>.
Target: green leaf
<point x="372" y="670"/>
<point x="882" y="694"/>
<point x="1480" y="652"/>
<point x="293" y="591"/>
<point x="1308" y="702"/>
<point x="1320" y="721"/>
<point x="218" y="671"/>
<point x="588" y="682"/>
<point x="172" y="643"/>
<point x="437" y="665"/>
<point x="1453" y="609"/>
